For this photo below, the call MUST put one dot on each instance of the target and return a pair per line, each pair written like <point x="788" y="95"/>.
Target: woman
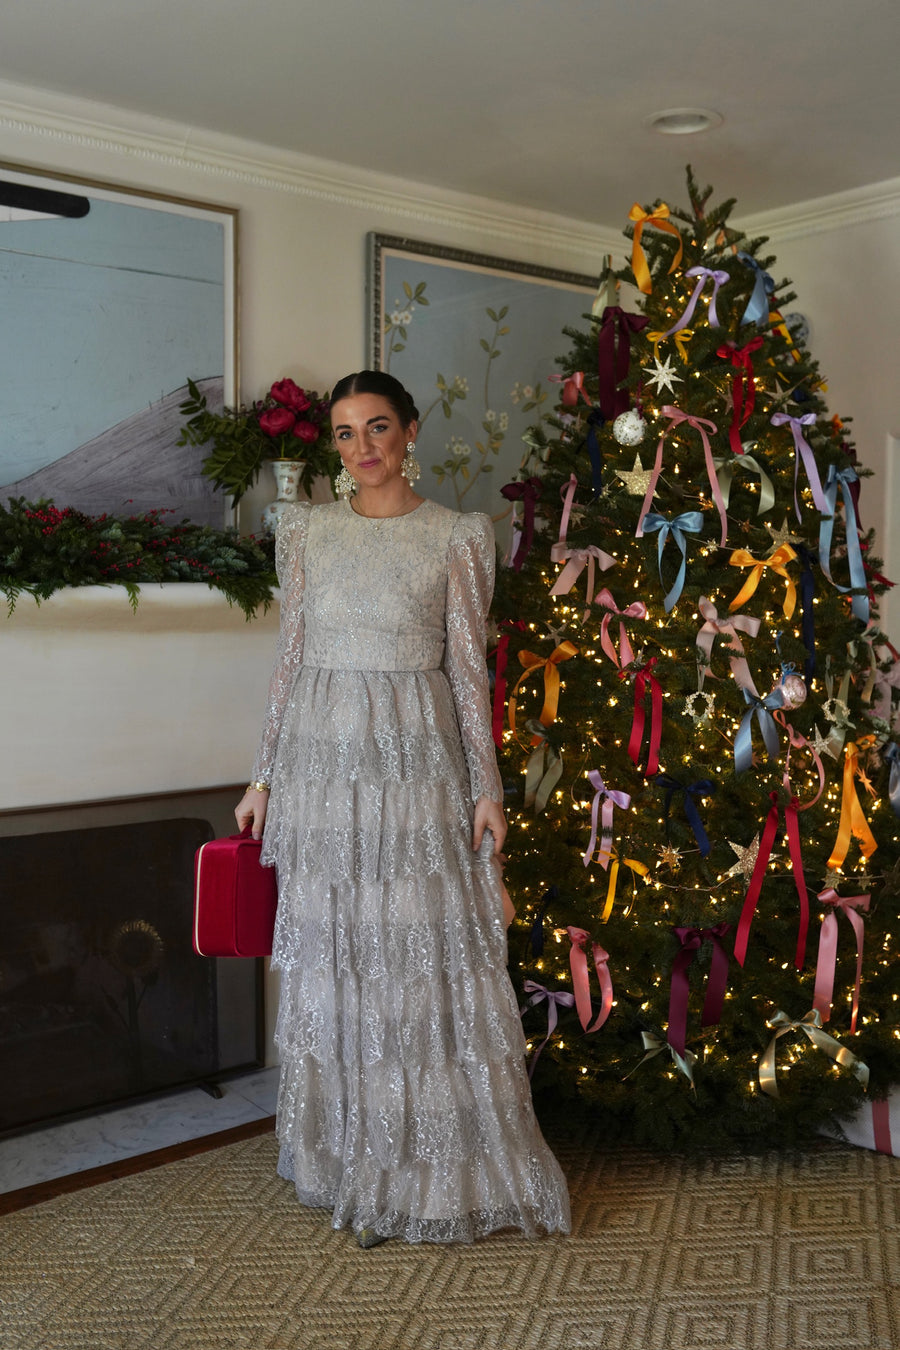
<point x="403" y="1106"/>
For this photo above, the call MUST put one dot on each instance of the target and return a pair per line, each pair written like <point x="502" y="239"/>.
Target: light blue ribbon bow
<point x="858" y="603"/>
<point x="758" y="305"/>
<point x="690" y="521"/>
<point x="743" y="742"/>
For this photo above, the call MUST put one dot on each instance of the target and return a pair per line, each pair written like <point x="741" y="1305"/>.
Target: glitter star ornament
<point x="783" y="534"/>
<point x="637" y="479"/>
<point x="670" y="857"/>
<point x="663" y="376"/>
<point x="746" y="859"/>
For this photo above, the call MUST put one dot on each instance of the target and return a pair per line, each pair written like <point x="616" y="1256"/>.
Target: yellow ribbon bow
<point x="852" y="822"/>
<point x="812" y="1025"/>
<point x="659" y="217"/>
<point x="637" y="869"/>
<point x="784" y="554"/>
<point x="550" y="664"/>
<point x="681" y="339"/>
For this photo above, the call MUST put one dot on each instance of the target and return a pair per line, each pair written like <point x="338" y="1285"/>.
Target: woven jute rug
<point x="779" y="1252"/>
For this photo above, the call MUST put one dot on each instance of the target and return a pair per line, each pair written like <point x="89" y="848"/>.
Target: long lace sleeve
<point x="470" y="585"/>
<point x="290" y="553"/>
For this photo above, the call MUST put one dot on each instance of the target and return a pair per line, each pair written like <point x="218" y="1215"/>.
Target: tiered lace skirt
<point x="404" y="1104"/>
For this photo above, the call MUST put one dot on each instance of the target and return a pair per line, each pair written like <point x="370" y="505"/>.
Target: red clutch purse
<point x="234" y="898"/>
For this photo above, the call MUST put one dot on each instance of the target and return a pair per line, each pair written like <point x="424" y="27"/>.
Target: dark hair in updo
<point x="380" y="383"/>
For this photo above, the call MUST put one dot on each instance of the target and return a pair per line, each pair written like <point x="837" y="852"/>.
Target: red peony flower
<point x="290" y="395"/>
<point x="307" y="431"/>
<point x="277" y="421"/>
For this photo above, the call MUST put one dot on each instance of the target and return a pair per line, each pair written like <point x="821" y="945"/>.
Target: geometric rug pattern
<point x="796" y="1251"/>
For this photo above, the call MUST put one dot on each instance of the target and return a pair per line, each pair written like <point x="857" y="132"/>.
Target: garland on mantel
<point x="43" y="549"/>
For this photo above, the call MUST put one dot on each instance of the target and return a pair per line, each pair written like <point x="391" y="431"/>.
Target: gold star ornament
<point x="637" y="479"/>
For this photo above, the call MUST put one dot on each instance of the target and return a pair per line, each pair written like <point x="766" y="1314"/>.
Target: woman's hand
<point x="489" y="816"/>
<point x="251" y="810"/>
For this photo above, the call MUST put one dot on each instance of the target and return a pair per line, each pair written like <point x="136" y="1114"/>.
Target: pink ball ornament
<point x="793" y="689"/>
<point x="629" y="428"/>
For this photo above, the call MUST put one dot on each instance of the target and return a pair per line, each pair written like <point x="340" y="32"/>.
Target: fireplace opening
<point x="102" y="998"/>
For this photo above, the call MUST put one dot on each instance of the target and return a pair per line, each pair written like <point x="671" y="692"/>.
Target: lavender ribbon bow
<point x="559" y="998"/>
<point x="701" y="273"/>
<point x="610" y="800"/>
<point x="803" y="450"/>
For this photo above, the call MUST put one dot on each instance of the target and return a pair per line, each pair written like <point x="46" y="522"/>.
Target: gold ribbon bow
<point x="637" y="869"/>
<point x="852" y="822"/>
<point x="776" y="561"/>
<point x="550" y="665"/>
<point x="659" y="217"/>
<point x="812" y="1025"/>
<point x="682" y="338"/>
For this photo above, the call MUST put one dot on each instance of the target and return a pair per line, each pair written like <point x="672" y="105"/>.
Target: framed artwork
<point x="474" y="339"/>
<point x="109" y="300"/>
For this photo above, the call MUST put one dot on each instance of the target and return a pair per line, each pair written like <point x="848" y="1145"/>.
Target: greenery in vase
<point x="43" y="549"/>
<point x="289" y="423"/>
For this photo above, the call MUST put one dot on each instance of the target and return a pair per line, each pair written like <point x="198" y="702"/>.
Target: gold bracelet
<point x="258" y="786"/>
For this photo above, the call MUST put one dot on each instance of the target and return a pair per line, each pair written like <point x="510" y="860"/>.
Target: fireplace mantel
<point x="100" y="701"/>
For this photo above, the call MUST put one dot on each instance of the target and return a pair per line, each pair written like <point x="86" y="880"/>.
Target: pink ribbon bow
<point x="714" y="627"/>
<point x="701" y="424"/>
<point x="581" y="979"/>
<point x="577" y="559"/>
<point x="828" y="937"/>
<point x="637" y="610"/>
<point x="610" y="800"/>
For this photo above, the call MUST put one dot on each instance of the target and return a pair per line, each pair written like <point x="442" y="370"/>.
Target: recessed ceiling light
<point x="683" y="121"/>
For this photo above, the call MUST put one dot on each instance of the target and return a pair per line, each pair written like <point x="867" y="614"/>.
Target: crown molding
<point x="60" y="120"/>
<point x="875" y="201"/>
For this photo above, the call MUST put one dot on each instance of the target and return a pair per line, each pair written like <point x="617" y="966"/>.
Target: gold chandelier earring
<point x="411" y="468"/>
<point x="345" y="484"/>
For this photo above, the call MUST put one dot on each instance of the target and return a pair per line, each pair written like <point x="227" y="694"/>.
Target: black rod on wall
<point x="23" y="198"/>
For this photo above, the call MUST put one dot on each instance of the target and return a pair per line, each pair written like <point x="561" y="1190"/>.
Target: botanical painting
<point x="473" y="338"/>
<point x="109" y="301"/>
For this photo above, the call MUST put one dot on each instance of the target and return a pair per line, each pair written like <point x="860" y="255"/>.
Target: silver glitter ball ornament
<point x="629" y="428"/>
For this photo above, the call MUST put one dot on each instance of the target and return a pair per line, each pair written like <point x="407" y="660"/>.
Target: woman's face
<point x="370" y="438"/>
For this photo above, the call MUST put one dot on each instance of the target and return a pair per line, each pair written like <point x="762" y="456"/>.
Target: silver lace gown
<point x="403" y="1103"/>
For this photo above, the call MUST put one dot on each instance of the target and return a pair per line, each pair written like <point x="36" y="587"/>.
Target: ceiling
<point x="534" y="102"/>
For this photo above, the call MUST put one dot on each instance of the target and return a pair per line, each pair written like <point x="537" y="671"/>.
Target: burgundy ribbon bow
<point x="499" y="711"/>
<point x="613" y="360"/>
<point x="743" y="387"/>
<point x="691" y="940"/>
<point x="527" y="493"/>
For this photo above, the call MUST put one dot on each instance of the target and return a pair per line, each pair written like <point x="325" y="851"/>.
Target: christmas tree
<point x="694" y="709"/>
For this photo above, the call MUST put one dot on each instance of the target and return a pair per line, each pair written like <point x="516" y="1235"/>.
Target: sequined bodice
<point x="377" y="589"/>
